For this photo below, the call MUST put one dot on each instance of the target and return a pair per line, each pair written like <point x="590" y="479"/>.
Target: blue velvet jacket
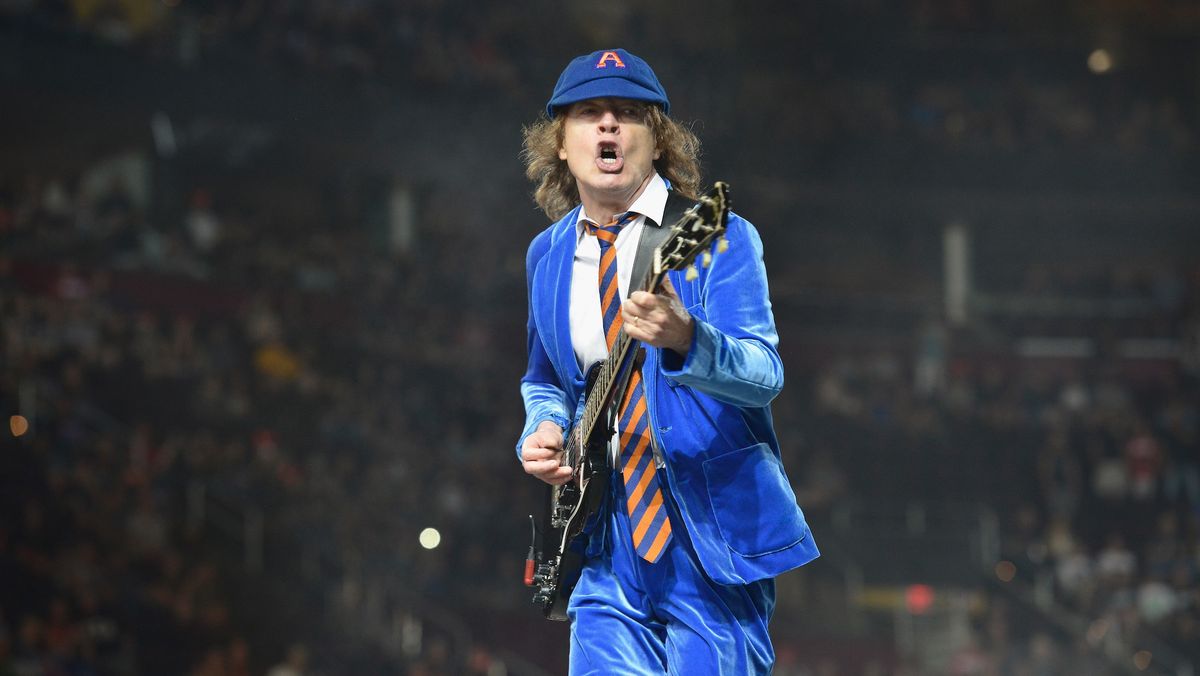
<point x="709" y="413"/>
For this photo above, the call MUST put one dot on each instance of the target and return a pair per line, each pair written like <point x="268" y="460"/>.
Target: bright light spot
<point x="1100" y="61"/>
<point x="918" y="598"/>
<point x="1141" y="659"/>
<point x="18" y="424"/>
<point x="1006" y="571"/>
<point x="430" y="538"/>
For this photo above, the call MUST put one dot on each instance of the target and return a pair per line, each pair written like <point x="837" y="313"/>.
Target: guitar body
<point x="570" y="508"/>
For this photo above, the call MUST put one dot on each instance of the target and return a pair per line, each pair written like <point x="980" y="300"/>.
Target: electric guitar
<point x="556" y="554"/>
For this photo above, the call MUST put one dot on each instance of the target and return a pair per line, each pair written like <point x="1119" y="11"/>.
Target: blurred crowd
<point x="153" y="371"/>
<point x="827" y="94"/>
<point x="1092" y="464"/>
<point x="268" y="349"/>
<point x="426" y="44"/>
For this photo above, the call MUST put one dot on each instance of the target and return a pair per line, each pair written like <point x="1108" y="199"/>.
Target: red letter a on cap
<point x="609" y="56"/>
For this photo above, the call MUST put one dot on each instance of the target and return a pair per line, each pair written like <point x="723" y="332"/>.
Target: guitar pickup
<point x="562" y="514"/>
<point x="543" y="583"/>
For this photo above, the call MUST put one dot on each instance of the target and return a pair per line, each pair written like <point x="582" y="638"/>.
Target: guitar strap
<point x="654" y="234"/>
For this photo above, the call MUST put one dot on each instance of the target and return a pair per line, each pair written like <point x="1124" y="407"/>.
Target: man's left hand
<point x="659" y="319"/>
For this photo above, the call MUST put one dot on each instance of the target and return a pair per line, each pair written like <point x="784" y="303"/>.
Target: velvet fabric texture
<point x="709" y="414"/>
<point x="630" y="617"/>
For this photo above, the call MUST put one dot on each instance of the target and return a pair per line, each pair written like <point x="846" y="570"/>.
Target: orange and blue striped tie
<point x="644" y="498"/>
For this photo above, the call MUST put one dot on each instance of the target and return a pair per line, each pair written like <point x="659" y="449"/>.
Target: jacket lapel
<point x="552" y="284"/>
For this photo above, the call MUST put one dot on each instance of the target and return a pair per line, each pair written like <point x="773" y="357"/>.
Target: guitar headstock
<point x="691" y="237"/>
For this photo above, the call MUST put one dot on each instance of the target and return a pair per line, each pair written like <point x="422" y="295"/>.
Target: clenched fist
<point x="541" y="454"/>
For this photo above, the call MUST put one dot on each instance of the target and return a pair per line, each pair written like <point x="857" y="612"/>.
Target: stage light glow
<point x="1006" y="571"/>
<point x="18" y="425"/>
<point x="918" y="598"/>
<point x="1100" y="61"/>
<point x="430" y="538"/>
<point x="1141" y="659"/>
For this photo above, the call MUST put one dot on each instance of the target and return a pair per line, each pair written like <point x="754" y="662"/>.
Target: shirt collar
<point x="651" y="204"/>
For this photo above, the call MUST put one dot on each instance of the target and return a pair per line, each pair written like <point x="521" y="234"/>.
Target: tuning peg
<point x="706" y="259"/>
<point x="722" y="245"/>
<point x="692" y="273"/>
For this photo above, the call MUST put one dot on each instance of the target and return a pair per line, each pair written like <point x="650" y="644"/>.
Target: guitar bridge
<point x="566" y="498"/>
<point x="561" y="516"/>
<point x="545" y="584"/>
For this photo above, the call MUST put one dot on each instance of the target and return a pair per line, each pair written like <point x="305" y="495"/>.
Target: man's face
<point x="608" y="147"/>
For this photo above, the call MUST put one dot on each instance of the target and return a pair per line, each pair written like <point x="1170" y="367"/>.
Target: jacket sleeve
<point x="734" y="355"/>
<point x="544" y="396"/>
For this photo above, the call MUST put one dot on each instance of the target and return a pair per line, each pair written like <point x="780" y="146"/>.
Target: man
<point x="699" y="517"/>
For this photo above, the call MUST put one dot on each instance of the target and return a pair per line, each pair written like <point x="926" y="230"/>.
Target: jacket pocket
<point x="752" y="503"/>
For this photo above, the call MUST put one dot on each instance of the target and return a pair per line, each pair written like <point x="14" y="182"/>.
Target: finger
<point x="542" y="467"/>
<point x="550" y="441"/>
<point x="634" y="325"/>
<point x="659" y="316"/>
<point x="535" y="452"/>
<point x="644" y="301"/>
<point x="628" y="316"/>
<point x="650" y="321"/>
<point x="533" y="444"/>
<point x="668" y="289"/>
<point x="558" y="479"/>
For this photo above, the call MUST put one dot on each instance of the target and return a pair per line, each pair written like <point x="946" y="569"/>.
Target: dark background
<point x="262" y="303"/>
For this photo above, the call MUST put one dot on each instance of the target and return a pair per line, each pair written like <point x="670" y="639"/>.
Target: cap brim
<point x="603" y="88"/>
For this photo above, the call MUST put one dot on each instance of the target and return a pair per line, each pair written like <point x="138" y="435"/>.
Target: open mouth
<point x="610" y="158"/>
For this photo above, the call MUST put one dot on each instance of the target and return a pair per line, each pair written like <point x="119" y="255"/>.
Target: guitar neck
<point x="690" y="237"/>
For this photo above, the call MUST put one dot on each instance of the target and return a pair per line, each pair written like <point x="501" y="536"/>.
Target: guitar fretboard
<point x="606" y="379"/>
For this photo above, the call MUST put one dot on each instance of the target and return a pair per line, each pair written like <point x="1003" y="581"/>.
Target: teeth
<point x="608" y="160"/>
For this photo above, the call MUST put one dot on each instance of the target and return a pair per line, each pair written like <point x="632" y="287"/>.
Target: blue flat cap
<point x="608" y="72"/>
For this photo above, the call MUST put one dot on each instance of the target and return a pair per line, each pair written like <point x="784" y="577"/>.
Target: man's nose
<point x="608" y="122"/>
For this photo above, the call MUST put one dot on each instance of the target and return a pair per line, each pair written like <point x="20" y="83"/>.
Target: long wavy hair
<point x="557" y="192"/>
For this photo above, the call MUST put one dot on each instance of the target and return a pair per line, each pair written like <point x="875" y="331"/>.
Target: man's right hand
<point x="541" y="454"/>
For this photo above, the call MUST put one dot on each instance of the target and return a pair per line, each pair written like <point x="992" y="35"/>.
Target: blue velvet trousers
<point x="630" y="617"/>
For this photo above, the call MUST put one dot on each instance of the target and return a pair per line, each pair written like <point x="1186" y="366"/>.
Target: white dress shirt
<point x="587" y="332"/>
